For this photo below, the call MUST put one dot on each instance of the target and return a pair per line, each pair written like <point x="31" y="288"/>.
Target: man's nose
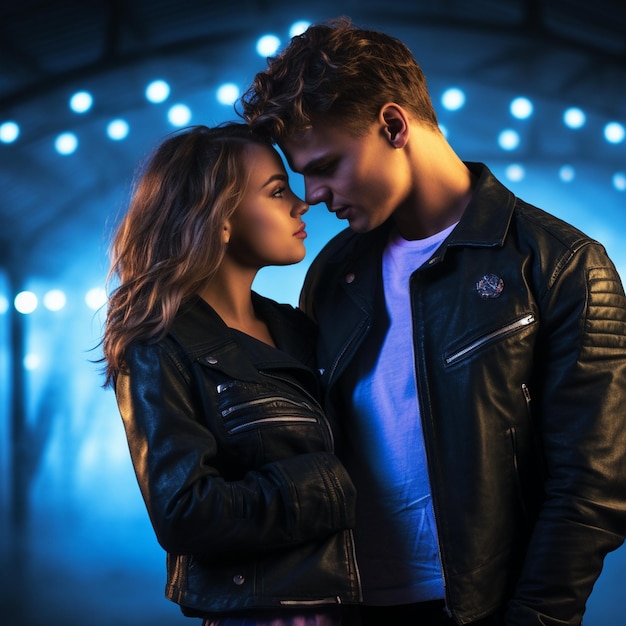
<point x="314" y="193"/>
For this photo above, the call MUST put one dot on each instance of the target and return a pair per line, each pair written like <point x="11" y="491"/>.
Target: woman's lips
<point x="301" y="233"/>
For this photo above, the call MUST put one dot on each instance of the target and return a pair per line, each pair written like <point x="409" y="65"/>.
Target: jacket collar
<point x="487" y="217"/>
<point x="201" y="331"/>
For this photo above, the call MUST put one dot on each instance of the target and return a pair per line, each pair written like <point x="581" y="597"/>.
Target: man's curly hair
<point x="337" y="72"/>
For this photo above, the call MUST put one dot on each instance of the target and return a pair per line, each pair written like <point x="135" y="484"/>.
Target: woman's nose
<point x="300" y="208"/>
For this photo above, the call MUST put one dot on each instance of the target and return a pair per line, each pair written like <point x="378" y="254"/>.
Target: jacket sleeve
<point x="581" y="411"/>
<point x="193" y="509"/>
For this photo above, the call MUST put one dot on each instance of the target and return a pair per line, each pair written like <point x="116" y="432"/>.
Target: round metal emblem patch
<point x="489" y="286"/>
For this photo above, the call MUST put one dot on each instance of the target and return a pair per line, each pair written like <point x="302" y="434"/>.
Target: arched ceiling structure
<point x="55" y="210"/>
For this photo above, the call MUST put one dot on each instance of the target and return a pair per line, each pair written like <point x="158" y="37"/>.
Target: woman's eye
<point x="279" y="192"/>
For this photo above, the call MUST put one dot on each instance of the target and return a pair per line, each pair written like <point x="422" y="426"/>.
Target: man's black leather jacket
<point x="235" y="462"/>
<point x="519" y="336"/>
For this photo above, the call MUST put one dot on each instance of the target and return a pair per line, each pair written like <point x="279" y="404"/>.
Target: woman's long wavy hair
<point x="169" y="243"/>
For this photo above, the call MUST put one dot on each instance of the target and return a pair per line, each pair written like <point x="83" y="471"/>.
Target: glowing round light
<point x="118" y="129"/>
<point x="96" y="298"/>
<point x="614" y="132"/>
<point x="32" y="361"/>
<point x="4" y="305"/>
<point x="81" y="102"/>
<point x="521" y="108"/>
<point x="179" y="115"/>
<point x="9" y="132"/>
<point x="297" y="28"/>
<point x="515" y="172"/>
<point x="567" y="173"/>
<point x="66" y="143"/>
<point x="157" y="91"/>
<point x="267" y="45"/>
<point x="619" y="181"/>
<point x="227" y="93"/>
<point x="453" y="99"/>
<point x="25" y="302"/>
<point x="574" y="117"/>
<point x="444" y="130"/>
<point x="54" y="300"/>
<point x="509" y="139"/>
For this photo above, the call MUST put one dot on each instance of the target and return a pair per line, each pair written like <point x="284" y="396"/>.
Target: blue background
<point x="75" y="540"/>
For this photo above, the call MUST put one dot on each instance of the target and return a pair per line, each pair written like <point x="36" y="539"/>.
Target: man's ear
<point x="395" y="122"/>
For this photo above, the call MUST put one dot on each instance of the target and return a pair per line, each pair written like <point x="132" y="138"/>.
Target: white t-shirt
<point x="397" y="547"/>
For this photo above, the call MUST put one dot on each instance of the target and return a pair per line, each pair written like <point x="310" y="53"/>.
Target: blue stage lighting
<point x="81" y="102"/>
<point x="508" y="139"/>
<point x="66" y="143"/>
<point x="25" y="302"/>
<point x="157" y="91"/>
<point x="227" y="93"/>
<point x="297" y="28"/>
<point x="54" y="300"/>
<point x="619" y="181"/>
<point x="515" y="172"/>
<point x="9" y="132"/>
<point x="614" y="132"/>
<point x="267" y="45"/>
<point x="453" y="99"/>
<point x="31" y="361"/>
<point x="179" y="115"/>
<point x="118" y="129"/>
<point x="96" y="298"/>
<point x="567" y="173"/>
<point x="521" y="108"/>
<point x="574" y="117"/>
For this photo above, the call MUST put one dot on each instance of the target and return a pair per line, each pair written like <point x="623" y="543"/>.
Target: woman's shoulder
<point x="286" y="313"/>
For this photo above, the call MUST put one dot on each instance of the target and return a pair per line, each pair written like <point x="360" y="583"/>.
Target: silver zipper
<point x="320" y="602"/>
<point x="245" y="405"/>
<point x="222" y="387"/>
<point x="322" y="413"/>
<point x="270" y="420"/>
<point x="505" y="330"/>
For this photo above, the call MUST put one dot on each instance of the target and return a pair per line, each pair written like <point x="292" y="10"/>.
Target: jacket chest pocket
<point x="264" y="423"/>
<point x="471" y="347"/>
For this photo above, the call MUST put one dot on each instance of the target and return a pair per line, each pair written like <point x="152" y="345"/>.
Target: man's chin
<point x="361" y="227"/>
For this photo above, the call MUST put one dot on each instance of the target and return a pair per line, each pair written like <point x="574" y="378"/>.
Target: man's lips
<point x="342" y="212"/>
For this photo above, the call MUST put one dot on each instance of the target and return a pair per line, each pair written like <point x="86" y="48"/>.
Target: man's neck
<point x="442" y="190"/>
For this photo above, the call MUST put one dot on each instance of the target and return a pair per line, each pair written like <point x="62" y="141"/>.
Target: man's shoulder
<point x="337" y="248"/>
<point x="346" y="249"/>
<point x="543" y="224"/>
<point x="349" y="244"/>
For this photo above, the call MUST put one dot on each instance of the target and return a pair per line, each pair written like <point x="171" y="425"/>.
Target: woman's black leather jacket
<point x="519" y="337"/>
<point x="234" y="458"/>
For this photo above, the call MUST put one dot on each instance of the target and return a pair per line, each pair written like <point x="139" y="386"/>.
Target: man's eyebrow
<point x="314" y="164"/>
<point x="273" y="177"/>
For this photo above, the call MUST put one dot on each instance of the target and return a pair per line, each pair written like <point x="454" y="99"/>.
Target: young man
<point x="472" y="349"/>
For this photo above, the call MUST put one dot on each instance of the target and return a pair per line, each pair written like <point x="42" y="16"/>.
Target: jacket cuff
<point x="319" y="494"/>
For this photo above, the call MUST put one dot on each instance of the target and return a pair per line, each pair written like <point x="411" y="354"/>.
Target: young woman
<point x="232" y="452"/>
